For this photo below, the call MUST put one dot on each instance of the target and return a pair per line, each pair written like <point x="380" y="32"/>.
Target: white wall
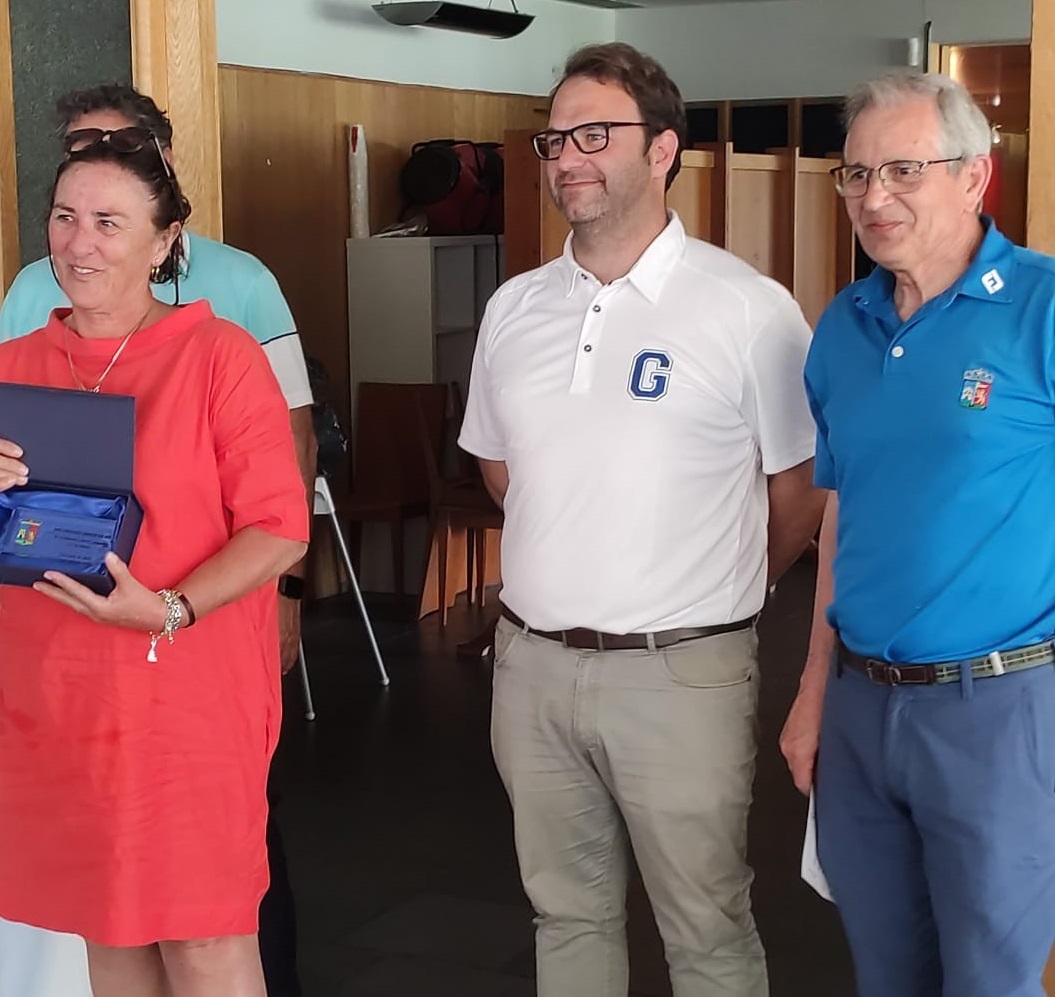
<point x="793" y="48"/>
<point x="715" y="51"/>
<point x="346" y="38"/>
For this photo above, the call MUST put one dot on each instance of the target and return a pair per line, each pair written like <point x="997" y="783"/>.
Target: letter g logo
<point x="650" y="375"/>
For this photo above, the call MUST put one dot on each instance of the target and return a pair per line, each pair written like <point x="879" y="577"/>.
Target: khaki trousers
<point x="605" y="751"/>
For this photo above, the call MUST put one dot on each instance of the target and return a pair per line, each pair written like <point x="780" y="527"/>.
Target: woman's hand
<point x="12" y="471"/>
<point x="131" y="604"/>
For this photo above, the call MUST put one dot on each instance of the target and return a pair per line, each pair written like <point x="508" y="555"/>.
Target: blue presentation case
<point x="80" y="451"/>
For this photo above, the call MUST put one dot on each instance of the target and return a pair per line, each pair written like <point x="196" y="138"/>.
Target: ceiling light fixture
<point x="455" y="17"/>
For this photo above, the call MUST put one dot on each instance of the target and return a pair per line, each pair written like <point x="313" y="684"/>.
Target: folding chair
<point x="324" y="506"/>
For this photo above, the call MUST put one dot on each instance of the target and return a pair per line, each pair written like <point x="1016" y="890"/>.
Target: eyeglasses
<point x="897" y="177"/>
<point x="588" y="139"/>
<point x="126" y="141"/>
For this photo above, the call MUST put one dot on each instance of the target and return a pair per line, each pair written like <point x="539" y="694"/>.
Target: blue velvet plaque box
<point x="80" y="449"/>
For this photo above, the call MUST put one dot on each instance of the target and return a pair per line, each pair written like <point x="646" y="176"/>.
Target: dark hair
<point x="140" y="110"/>
<point x="655" y="93"/>
<point x="152" y="171"/>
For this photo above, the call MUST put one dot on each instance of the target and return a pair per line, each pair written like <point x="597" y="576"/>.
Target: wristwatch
<point x="291" y="586"/>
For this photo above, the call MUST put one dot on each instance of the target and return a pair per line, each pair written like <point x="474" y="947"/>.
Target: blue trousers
<point x="936" y="832"/>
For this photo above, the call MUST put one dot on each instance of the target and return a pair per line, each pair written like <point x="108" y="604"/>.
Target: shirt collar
<point x="992" y="270"/>
<point x="988" y="277"/>
<point x="650" y="271"/>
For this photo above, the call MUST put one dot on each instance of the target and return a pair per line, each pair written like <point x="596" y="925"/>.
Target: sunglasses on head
<point x="125" y="141"/>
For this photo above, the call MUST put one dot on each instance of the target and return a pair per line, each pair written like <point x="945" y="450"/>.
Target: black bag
<point x="329" y="434"/>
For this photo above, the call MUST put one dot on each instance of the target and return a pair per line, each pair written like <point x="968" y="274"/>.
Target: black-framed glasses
<point x="126" y="141"/>
<point x="588" y="138"/>
<point x="899" y="176"/>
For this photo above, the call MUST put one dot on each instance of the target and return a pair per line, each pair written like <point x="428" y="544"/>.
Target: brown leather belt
<point x="906" y="673"/>
<point x="591" y="640"/>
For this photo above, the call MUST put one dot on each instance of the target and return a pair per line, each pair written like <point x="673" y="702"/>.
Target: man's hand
<point x="131" y="604"/>
<point x="288" y="632"/>
<point x="12" y="471"/>
<point x="801" y="736"/>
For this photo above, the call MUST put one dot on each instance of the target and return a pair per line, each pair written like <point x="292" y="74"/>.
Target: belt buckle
<point x="882" y="672"/>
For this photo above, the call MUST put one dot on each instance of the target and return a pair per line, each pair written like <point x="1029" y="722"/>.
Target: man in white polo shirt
<point x="637" y="407"/>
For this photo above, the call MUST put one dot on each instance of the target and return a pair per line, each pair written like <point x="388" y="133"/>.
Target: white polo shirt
<point x="638" y="421"/>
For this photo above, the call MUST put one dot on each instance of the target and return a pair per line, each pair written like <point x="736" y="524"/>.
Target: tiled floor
<point x="399" y="833"/>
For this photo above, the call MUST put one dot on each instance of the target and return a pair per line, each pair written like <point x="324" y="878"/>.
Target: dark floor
<point x="399" y="833"/>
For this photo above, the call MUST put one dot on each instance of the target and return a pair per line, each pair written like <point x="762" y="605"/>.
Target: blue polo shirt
<point x="938" y="434"/>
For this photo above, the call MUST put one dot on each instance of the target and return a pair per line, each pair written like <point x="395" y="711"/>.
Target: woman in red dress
<point x="132" y="791"/>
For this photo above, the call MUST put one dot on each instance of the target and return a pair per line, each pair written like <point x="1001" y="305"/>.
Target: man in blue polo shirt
<point x="930" y="683"/>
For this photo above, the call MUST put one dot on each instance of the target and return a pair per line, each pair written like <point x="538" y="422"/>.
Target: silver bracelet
<point x="173" y="619"/>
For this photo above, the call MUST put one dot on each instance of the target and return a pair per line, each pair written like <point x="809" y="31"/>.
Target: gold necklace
<point x="117" y="353"/>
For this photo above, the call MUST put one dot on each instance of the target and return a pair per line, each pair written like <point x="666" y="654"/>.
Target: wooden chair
<point x="458" y="503"/>
<point x="390" y="478"/>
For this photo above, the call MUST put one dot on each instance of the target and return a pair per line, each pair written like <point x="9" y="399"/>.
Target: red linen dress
<point x="132" y="795"/>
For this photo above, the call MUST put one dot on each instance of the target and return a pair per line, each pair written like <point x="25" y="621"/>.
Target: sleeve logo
<point x="650" y="375"/>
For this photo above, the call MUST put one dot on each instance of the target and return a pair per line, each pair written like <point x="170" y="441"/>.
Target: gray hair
<point x="965" y="131"/>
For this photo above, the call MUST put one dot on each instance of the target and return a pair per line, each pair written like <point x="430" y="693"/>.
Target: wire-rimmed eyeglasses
<point x="899" y="176"/>
<point x="588" y="138"/>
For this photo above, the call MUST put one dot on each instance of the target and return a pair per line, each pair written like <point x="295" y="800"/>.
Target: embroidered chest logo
<point x="650" y="375"/>
<point x="977" y="384"/>
<point x="26" y="535"/>
<point x="992" y="281"/>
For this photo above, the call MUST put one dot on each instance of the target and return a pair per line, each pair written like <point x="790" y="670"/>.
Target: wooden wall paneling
<point x="9" y="251"/>
<point x="845" y="250"/>
<point x="691" y="193"/>
<point x="818" y="212"/>
<point x="174" y="61"/>
<point x="523" y="205"/>
<point x="725" y="121"/>
<point x="722" y="154"/>
<point x="535" y="229"/>
<point x="285" y="177"/>
<point x="795" y="123"/>
<point x="1040" y="213"/>
<point x="555" y="227"/>
<point x="759" y="213"/>
<point x="1014" y="153"/>
<point x="998" y="78"/>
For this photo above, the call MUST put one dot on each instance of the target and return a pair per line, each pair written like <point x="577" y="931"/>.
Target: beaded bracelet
<point x="173" y="618"/>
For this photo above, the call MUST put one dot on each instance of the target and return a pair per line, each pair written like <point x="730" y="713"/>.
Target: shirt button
<point x="587" y="348"/>
<point x="897" y="352"/>
<point x="596" y="308"/>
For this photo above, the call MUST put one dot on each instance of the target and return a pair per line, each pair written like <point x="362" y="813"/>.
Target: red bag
<point x="457" y="185"/>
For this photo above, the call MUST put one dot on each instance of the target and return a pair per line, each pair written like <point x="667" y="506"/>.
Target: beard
<point x="587" y="198"/>
<point x="581" y="200"/>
